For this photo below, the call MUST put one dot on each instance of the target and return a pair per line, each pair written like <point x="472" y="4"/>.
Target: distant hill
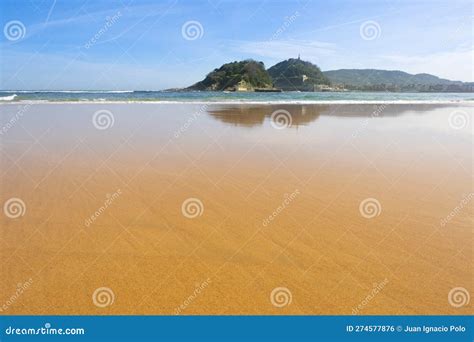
<point x="244" y="75"/>
<point x="394" y="80"/>
<point x="296" y="74"/>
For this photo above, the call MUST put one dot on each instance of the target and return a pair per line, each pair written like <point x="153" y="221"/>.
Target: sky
<point x="153" y="45"/>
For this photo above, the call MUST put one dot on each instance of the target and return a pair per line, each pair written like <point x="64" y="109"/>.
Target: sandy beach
<point x="220" y="209"/>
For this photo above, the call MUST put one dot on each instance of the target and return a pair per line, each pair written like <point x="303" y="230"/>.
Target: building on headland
<point x="325" y="87"/>
<point x="245" y="86"/>
<point x="242" y="86"/>
<point x="322" y="87"/>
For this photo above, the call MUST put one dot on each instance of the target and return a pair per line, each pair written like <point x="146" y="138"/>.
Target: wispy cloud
<point x="453" y="65"/>
<point x="415" y="37"/>
<point x="88" y="18"/>
<point x="283" y="49"/>
<point x="50" y="12"/>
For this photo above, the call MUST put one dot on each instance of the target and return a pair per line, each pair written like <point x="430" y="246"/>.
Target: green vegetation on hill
<point x="246" y="75"/>
<point x="295" y="74"/>
<point x="394" y="80"/>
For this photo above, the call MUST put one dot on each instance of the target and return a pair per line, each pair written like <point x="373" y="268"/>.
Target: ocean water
<point x="284" y="97"/>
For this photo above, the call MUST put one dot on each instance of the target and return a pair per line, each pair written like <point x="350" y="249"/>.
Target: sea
<point x="228" y="97"/>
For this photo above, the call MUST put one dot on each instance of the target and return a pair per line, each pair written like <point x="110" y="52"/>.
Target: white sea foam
<point x="8" y="98"/>
<point x="246" y="102"/>
<point x="69" y="91"/>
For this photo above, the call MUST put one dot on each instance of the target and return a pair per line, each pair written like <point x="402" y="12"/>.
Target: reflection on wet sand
<point x="254" y="115"/>
<point x="249" y="116"/>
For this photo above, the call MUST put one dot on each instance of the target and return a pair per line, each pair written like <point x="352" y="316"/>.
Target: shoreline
<point x="283" y="102"/>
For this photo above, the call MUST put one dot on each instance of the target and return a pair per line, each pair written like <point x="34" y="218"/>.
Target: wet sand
<point x="278" y="210"/>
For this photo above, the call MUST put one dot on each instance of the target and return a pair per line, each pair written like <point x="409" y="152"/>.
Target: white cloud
<point x="284" y="49"/>
<point x="455" y="65"/>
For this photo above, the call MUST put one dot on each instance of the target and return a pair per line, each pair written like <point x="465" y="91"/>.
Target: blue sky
<point x="138" y="44"/>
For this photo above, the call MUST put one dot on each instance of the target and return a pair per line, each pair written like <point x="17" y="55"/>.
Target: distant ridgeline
<point x="298" y="75"/>
<point x="394" y="80"/>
